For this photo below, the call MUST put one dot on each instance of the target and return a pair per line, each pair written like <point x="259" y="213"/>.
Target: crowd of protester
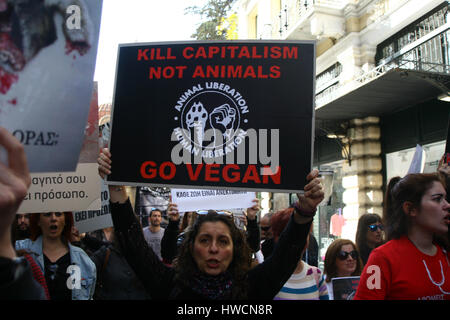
<point x="402" y="254"/>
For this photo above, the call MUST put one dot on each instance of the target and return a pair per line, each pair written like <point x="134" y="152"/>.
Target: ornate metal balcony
<point x="422" y="47"/>
<point x="295" y="16"/>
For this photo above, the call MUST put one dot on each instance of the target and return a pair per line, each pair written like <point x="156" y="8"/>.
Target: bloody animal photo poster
<point x="77" y="190"/>
<point x="46" y="77"/>
<point x="235" y="115"/>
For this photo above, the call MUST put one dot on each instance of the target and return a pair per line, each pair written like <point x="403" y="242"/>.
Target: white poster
<point x="417" y="161"/>
<point x="49" y="49"/>
<point x="70" y="191"/>
<point x="203" y="199"/>
<point x="87" y="221"/>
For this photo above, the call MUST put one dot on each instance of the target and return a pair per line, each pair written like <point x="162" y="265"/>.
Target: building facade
<point x="382" y="77"/>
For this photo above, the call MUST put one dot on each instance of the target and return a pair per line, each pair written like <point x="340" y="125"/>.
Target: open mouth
<point x="212" y="263"/>
<point x="53" y="228"/>
<point x="447" y="219"/>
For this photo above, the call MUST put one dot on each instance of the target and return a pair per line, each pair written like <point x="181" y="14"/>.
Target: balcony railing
<point x="296" y="10"/>
<point x="429" y="54"/>
<point x="328" y="77"/>
<point x="426" y="28"/>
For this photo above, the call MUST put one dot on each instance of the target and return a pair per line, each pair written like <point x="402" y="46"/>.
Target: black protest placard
<point x="214" y="114"/>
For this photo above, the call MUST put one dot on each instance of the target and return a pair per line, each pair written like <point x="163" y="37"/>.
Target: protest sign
<point x="201" y="199"/>
<point x="70" y="191"/>
<point x="87" y="221"/>
<point x="150" y="198"/>
<point x="344" y="288"/>
<point x="46" y="71"/>
<point x="417" y="163"/>
<point x="235" y="115"/>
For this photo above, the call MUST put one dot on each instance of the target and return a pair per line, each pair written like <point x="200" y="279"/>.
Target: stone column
<point x="362" y="179"/>
<point x="280" y="201"/>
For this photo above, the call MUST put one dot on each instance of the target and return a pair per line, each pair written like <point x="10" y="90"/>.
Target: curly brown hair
<point x="185" y="265"/>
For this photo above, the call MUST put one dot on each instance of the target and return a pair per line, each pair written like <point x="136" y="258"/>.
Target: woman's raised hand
<point x="104" y="162"/>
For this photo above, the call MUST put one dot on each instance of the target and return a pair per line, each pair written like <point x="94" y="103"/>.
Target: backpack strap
<point x="105" y="263"/>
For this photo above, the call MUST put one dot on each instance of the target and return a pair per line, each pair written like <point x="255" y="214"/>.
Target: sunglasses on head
<point x="227" y="213"/>
<point x="375" y="227"/>
<point x="343" y="255"/>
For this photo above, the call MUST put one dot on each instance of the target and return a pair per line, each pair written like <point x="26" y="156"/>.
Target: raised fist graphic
<point x="222" y="118"/>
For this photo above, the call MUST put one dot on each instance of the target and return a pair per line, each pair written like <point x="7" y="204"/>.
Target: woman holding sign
<point x="214" y="260"/>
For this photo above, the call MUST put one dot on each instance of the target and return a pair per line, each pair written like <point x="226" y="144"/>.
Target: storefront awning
<point x="392" y="91"/>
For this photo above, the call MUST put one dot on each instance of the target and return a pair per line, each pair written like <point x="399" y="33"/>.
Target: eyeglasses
<point x="375" y="227"/>
<point x="265" y="228"/>
<point x="343" y="255"/>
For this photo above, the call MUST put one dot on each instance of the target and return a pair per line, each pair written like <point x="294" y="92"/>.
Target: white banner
<point x="64" y="191"/>
<point x="87" y="221"/>
<point x="70" y="191"/>
<point x="219" y="199"/>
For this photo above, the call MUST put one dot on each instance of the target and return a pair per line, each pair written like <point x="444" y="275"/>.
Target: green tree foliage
<point x="212" y="14"/>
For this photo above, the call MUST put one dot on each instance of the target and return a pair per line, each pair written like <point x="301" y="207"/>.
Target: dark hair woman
<point x="230" y="265"/>
<point x="188" y="220"/>
<point x="411" y="265"/>
<point x="369" y="234"/>
<point x="214" y="261"/>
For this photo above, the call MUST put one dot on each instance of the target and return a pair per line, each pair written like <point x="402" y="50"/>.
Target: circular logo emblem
<point x="211" y="115"/>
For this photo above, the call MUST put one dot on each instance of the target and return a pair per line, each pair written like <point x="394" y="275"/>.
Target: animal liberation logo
<point x="211" y="117"/>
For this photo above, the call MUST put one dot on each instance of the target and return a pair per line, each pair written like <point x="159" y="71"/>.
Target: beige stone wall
<point x="362" y="178"/>
<point x="324" y="45"/>
<point x="280" y="201"/>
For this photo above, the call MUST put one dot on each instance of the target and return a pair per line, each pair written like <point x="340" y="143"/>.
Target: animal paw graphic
<point x="196" y="118"/>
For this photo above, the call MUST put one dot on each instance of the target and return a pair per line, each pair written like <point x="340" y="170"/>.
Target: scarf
<point x="37" y="274"/>
<point x="212" y="287"/>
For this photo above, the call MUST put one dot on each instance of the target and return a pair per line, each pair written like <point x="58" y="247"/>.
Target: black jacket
<point x="17" y="282"/>
<point x="264" y="281"/>
<point x="116" y="280"/>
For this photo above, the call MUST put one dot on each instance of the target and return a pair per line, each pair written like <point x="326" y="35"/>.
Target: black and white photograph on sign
<point x="344" y="288"/>
<point x="149" y="199"/>
<point x="49" y="50"/>
<point x="236" y="115"/>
